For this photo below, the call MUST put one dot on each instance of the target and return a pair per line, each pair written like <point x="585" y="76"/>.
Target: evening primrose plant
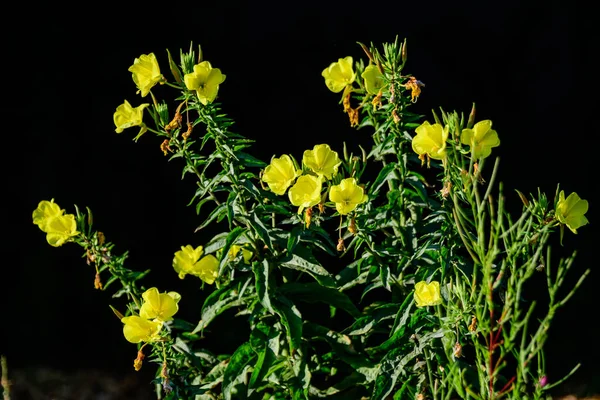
<point x="389" y="271"/>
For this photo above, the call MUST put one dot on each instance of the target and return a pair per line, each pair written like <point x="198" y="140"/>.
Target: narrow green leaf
<point x="230" y="203"/>
<point x="216" y="243"/>
<point x="261" y="230"/>
<point x="217" y="212"/>
<point x="293" y="239"/>
<point x="311" y="267"/>
<point x="262" y="282"/>
<point x="229" y="241"/>
<point x="269" y="349"/>
<point x="250" y="161"/>
<point x="314" y="292"/>
<point x="391" y="367"/>
<point x="402" y="317"/>
<point x="291" y="320"/>
<point x="235" y="372"/>
<point x="385" y="174"/>
<point x="220" y="300"/>
<point x="174" y="69"/>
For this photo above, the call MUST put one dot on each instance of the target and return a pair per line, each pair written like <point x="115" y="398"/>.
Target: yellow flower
<point x="127" y="116"/>
<point x="45" y="211"/>
<point x="280" y="174"/>
<point x="246" y="254"/>
<point x="339" y="74"/>
<point x="347" y="195"/>
<point x="481" y="138"/>
<point x="430" y="140"/>
<point x="373" y="78"/>
<point x="205" y="80"/>
<point x="146" y="73"/>
<point x="306" y="192"/>
<point x="49" y="218"/>
<point x="322" y="160"/>
<point x="427" y="294"/>
<point x="60" y="229"/>
<point x="188" y="261"/>
<point x="138" y="329"/>
<point x="159" y="306"/>
<point x="570" y="211"/>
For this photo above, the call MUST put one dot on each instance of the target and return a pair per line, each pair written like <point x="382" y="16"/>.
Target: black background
<point x="527" y="66"/>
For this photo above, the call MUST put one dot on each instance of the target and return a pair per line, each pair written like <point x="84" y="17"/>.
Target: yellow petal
<point x="280" y="174"/>
<point x="430" y="140"/>
<point x="339" y="74"/>
<point x="159" y="306"/>
<point x="184" y="259"/>
<point x="373" y="79"/>
<point x="306" y="192"/>
<point x="427" y="294"/>
<point x="44" y="211"/>
<point x="137" y="329"/>
<point x="347" y="196"/>
<point x="207" y="269"/>
<point x="60" y="229"/>
<point x="481" y="128"/>
<point x="322" y="160"/>
<point x="145" y="73"/>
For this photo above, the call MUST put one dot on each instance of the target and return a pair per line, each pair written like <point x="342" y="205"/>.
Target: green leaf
<point x="216" y="213"/>
<point x="322" y="240"/>
<point x="231" y="238"/>
<point x="291" y="320"/>
<point x="252" y="189"/>
<point x="200" y="203"/>
<point x="174" y="69"/>
<point x="391" y="367"/>
<point x="401" y="318"/>
<point x="216" y="243"/>
<point x="250" y="161"/>
<point x="341" y="344"/>
<point x="268" y="339"/>
<point x="262" y="273"/>
<point x="235" y="373"/>
<point x="385" y="277"/>
<point x="294" y="239"/>
<point x="230" y="203"/>
<point x="377" y="314"/>
<point x="385" y="174"/>
<point x="261" y="230"/>
<point x="310" y="266"/>
<point x="220" y="300"/>
<point x="314" y="292"/>
<point x="215" y="375"/>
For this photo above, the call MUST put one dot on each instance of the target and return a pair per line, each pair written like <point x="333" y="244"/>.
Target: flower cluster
<point x="156" y="309"/>
<point x="431" y="140"/>
<point x="58" y="226"/>
<point x="204" y="80"/>
<point x="320" y="165"/>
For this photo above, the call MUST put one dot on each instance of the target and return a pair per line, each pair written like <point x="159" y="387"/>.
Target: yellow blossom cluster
<point x="156" y="309"/>
<point x="58" y="226"/>
<point x="145" y="71"/>
<point x="430" y="140"/>
<point x="305" y="190"/>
